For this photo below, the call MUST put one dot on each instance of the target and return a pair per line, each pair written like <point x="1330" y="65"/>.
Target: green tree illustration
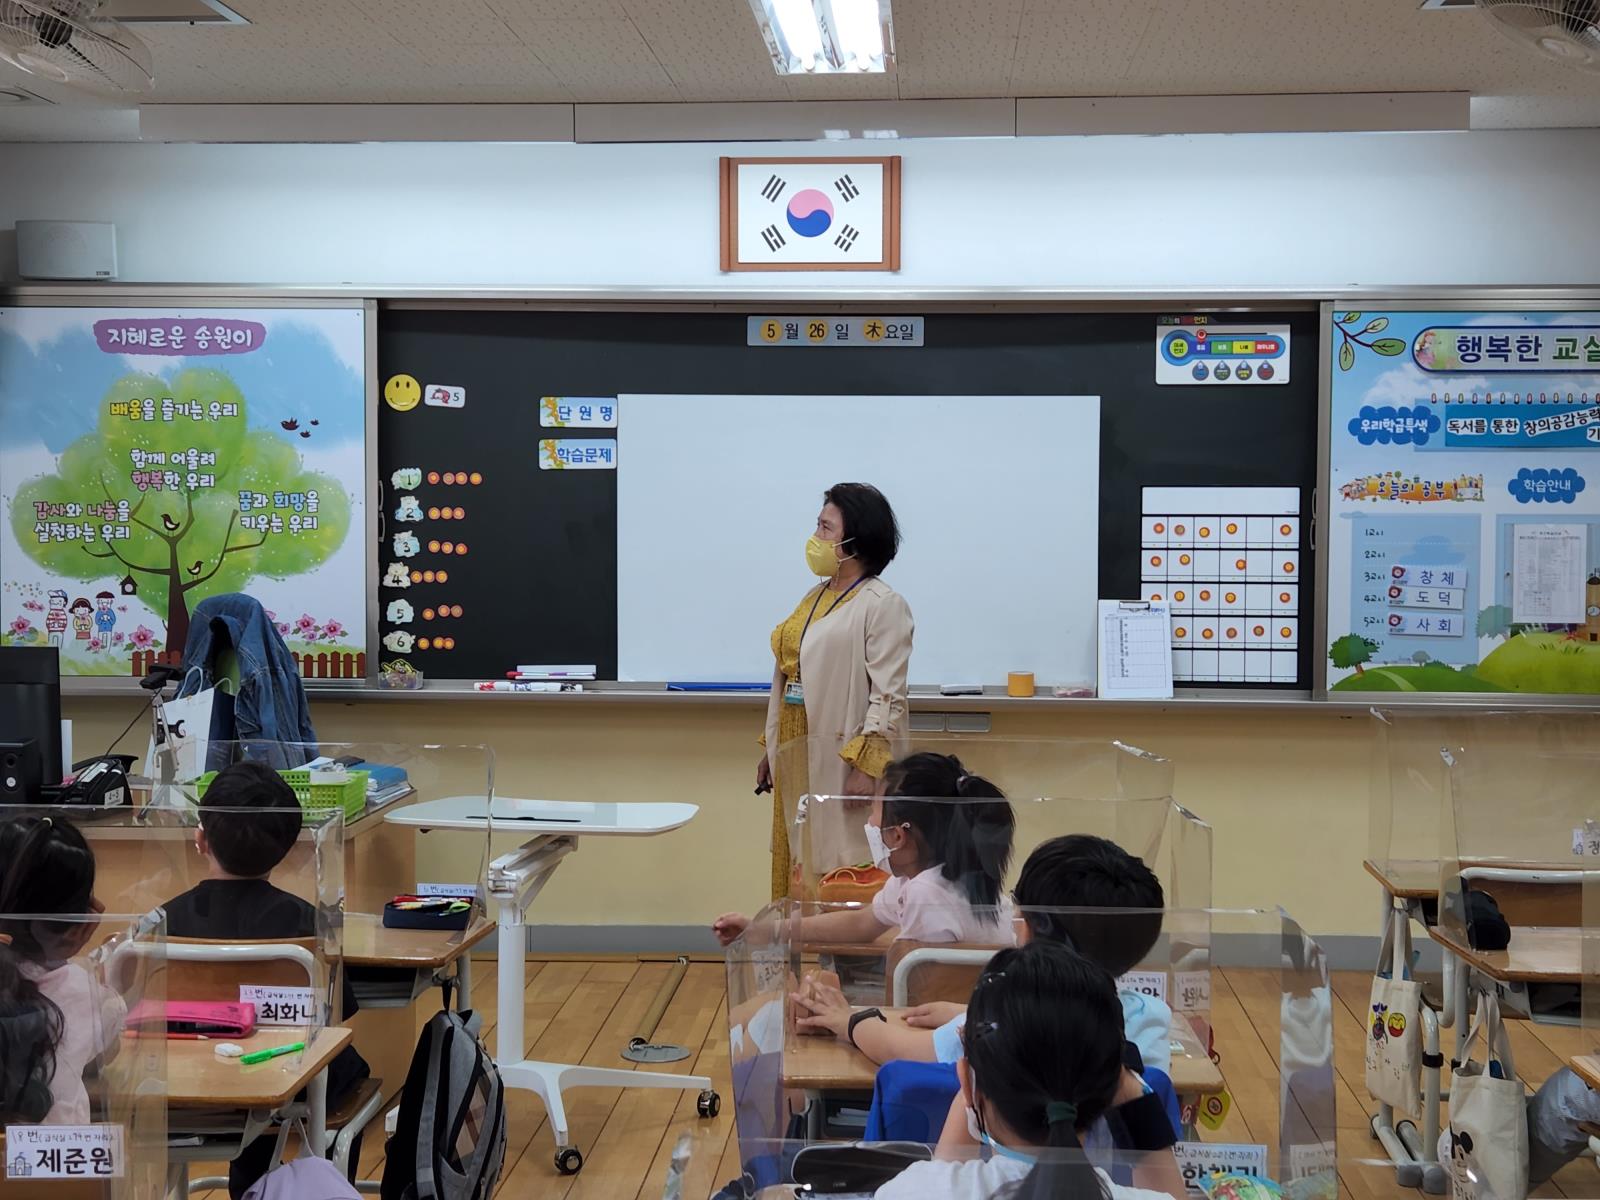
<point x="1495" y="621"/>
<point x="1344" y="325"/>
<point x="184" y="543"/>
<point x="1351" y="651"/>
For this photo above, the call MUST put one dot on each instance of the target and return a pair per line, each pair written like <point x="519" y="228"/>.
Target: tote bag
<point x="1488" y="1115"/>
<point x="188" y="721"/>
<point x="1394" y="1023"/>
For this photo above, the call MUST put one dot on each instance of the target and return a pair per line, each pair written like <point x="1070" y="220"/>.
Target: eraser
<point x="228" y="1050"/>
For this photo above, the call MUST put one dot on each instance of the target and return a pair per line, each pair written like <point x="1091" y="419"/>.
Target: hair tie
<point x="1061" y="1112"/>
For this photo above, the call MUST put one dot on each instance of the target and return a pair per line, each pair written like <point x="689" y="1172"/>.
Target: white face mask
<point x="875" y="846"/>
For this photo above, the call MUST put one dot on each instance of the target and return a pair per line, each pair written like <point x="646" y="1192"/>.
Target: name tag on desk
<point x="64" y="1152"/>
<point x="280" y="1005"/>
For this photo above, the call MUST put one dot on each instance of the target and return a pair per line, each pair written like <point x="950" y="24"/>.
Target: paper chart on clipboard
<point x="1135" y="650"/>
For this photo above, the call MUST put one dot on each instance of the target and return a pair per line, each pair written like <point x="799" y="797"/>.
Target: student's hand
<point x="859" y="788"/>
<point x="933" y="1016"/>
<point x="764" y="774"/>
<point x="821" y="1008"/>
<point x="729" y="926"/>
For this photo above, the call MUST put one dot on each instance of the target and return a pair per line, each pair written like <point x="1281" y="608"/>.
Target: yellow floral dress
<point x="868" y="753"/>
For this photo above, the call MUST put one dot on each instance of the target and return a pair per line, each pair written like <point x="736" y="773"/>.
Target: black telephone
<point x="99" y="782"/>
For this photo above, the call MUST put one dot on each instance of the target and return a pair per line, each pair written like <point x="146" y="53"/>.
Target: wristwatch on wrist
<point x="866" y="1014"/>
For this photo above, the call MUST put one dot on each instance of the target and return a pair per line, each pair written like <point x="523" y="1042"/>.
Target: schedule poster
<point x="152" y="457"/>
<point x="1450" y="433"/>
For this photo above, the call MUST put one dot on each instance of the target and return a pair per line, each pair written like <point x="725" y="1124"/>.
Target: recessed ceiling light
<point x="826" y="37"/>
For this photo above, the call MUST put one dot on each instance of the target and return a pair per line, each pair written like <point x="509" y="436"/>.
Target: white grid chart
<point x="1228" y="562"/>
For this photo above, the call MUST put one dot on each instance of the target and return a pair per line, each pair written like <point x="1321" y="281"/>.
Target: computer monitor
<point x="30" y="704"/>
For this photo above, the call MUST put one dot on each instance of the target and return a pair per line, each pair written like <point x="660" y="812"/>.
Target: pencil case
<point x="395" y="917"/>
<point x="192" y="1018"/>
<point x="851" y="885"/>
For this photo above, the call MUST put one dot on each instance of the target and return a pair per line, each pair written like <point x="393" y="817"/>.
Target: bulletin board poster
<point x="1464" y="540"/>
<point x="152" y="457"/>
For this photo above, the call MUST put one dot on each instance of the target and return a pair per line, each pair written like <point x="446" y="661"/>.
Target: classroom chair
<point x="201" y="969"/>
<point x="910" y="1101"/>
<point x="922" y="972"/>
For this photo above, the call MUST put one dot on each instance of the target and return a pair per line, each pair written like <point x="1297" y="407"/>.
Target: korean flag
<point x="802" y="213"/>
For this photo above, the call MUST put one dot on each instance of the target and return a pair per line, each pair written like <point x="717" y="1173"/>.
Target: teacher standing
<point x="840" y="681"/>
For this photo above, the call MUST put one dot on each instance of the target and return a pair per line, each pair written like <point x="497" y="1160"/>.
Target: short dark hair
<point x="1084" y="871"/>
<point x="869" y="524"/>
<point x="249" y="845"/>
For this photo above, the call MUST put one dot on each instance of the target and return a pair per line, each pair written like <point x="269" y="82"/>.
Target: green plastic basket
<point x="349" y="797"/>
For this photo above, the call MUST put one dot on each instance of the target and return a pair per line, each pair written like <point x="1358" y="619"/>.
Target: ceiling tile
<point x="598" y="59"/>
<point x="711" y="49"/>
<point x="520" y="13"/>
<point x="954" y="47"/>
<point x="425" y="24"/>
<point x="1245" y="46"/>
<point x="283" y="23"/>
<point x="1079" y="49"/>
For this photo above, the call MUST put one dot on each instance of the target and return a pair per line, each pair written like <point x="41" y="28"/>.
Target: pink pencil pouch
<point x="192" y="1018"/>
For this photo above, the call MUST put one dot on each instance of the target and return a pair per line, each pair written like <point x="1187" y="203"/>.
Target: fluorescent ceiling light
<point x="826" y="37"/>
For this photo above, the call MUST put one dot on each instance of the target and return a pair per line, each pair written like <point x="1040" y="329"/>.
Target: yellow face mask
<point x="823" y="557"/>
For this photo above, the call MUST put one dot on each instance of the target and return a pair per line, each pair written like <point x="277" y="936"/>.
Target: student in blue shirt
<point x="1078" y="871"/>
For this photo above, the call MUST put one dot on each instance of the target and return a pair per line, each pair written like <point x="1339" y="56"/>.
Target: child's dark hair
<point x="971" y="841"/>
<point x="249" y="844"/>
<point x="1044" y="1045"/>
<point x="1084" y="871"/>
<point x="45" y="867"/>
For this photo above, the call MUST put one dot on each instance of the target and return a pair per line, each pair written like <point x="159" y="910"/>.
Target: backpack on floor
<point x="449" y="1141"/>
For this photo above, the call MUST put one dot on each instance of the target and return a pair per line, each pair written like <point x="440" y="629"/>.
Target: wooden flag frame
<point x="729" y="237"/>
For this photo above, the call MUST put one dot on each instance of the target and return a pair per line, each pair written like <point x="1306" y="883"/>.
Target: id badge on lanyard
<point x="794" y="691"/>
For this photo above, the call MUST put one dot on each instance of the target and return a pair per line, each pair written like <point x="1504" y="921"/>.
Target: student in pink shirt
<point x="56" y="1020"/>
<point x="946" y="861"/>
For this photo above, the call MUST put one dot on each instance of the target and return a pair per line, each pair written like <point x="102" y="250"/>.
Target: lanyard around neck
<point x="841" y="599"/>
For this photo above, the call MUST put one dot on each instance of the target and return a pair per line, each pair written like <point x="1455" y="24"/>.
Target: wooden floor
<point x="584" y="1010"/>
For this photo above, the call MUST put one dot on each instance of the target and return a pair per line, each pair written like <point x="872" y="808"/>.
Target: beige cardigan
<point x="853" y="663"/>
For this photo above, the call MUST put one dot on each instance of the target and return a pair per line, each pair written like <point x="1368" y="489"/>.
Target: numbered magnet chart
<point x="1228" y="562"/>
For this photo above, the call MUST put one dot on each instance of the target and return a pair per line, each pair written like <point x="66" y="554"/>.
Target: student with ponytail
<point x="55" y="1019"/>
<point x="1043" y="1064"/>
<point x="944" y="835"/>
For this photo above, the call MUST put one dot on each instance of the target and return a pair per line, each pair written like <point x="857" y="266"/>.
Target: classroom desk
<point x="198" y="1079"/>
<point x="1407" y="878"/>
<point x="550" y="830"/>
<point x="440" y="957"/>
<point x="820" y="1066"/>
<point x="1537" y="954"/>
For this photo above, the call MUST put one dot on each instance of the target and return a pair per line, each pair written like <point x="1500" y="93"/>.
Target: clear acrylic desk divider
<point x="1248" y="1037"/>
<point x="1091" y="773"/>
<point x="105" y="1131"/>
